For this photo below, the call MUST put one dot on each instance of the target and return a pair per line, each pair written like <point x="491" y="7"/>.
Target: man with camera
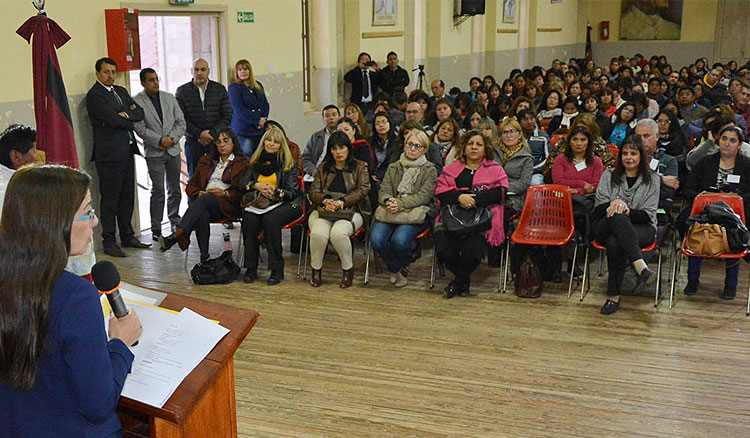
<point x="365" y="82"/>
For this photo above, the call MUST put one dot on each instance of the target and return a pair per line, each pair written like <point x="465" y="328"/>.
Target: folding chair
<point x="614" y="150"/>
<point x="546" y="219"/>
<point x="307" y="248"/>
<point x="555" y="138"/>
<point x="699" y="203"/>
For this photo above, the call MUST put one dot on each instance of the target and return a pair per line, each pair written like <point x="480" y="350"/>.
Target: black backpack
<point x="221" y="270"/>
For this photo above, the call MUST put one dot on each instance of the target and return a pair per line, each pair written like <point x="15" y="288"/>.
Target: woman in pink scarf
<point x="476" y="172"/>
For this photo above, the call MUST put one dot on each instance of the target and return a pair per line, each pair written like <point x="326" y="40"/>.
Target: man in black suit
<point x="365" y="81"/>
<point x="112" y="113"/>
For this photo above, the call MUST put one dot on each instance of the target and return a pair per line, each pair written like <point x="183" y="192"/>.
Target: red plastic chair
<point x="699" y="203"/>
<point x="307" y="248"/>
<point x="546" y="219"/>
<point x="556" y="139"/>
<point x="614" y="150"/>
<point x="596" y="245"/>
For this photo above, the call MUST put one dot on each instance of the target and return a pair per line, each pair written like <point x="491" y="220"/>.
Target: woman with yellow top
<point x="272" y="200"/>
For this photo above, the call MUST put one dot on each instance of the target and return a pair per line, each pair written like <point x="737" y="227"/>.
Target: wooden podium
<point x="204" y="404"/>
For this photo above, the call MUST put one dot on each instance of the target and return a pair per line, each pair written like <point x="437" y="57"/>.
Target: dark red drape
<point x="54" y="124"/>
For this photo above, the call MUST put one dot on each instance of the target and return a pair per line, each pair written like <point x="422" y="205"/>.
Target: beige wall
<point x="697" y="36"/>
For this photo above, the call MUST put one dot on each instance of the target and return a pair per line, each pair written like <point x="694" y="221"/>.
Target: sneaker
<point x="691" y="288"/>
<point x="394" y="278"/>
<point x="401" y="280"/>
<point x="729" y="293"/>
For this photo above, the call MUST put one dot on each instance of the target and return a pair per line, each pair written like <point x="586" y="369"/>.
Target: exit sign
<point x="181" y="2"/>
<point x="246" y="17"/>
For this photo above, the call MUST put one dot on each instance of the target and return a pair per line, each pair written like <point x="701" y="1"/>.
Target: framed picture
<point x="555" y="1"/>
<point x="650" y="20"/>
<point x="384" y="12"/>
<point x="509" y="11"/>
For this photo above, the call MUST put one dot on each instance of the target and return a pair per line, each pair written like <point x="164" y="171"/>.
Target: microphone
<point x="107" y="280"/>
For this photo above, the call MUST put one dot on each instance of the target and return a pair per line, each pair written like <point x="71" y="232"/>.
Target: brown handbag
<point x="528" y="282"/>
<point x="707" y="240"/>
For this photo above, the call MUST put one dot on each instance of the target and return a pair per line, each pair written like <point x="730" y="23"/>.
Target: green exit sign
<point x="246" y="17"/>
<point x="181" y="2"/>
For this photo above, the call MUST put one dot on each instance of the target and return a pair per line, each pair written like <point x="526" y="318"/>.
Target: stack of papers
<point x="171" y="346"/>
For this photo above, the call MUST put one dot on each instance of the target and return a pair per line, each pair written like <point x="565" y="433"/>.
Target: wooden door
<point x="731" y="31"/>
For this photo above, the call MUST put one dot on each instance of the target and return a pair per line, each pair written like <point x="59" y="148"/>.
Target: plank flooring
<point x="382" y="362"/>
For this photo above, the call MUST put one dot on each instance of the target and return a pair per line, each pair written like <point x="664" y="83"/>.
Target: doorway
<point x="169" y="44"/>
<point x="732" y="35"/>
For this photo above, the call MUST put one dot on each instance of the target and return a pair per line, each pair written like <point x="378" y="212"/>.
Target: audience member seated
<point x="293" y="147"/>
<point x="560" y="124"/>
<point x="538" y="142"/>
<point x="591" y="106"/>
<point x="514" y="154"/>
<point x="724" y="171"/>
<point x="473" y="181"/>
<point x="340" y="206"/>
<point x="689" y="109"/>
<point x="624" y="121"/>
<point x="601" y="149"/>
<point x="474" y="114"/>
<point x="60" y="375"/>
<point x="361" y="149"/>
<point x="549" y="108"/>
<point x="273" y="199"/>
<point x="709" y="146"/>
<point x="660" y="162"/>
<point x="406" y="206"/>
<point x="671" y="137"/>
<point x="446" y="139"/>
<point x="315" y="151"/>
<point x="384" y="146"/>
<point x="215" y="192"/>
<point x="625" y="217"/>
<point x="354" y="113"/>
<point x="17" y="148"/>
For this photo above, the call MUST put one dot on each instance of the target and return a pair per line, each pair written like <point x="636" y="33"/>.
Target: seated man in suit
<point x="161" y="130"/>
<point x="112" y="113"/>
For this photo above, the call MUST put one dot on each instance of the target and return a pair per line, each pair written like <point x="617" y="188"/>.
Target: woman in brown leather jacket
<point x="339" y="192"/>
<point x="215" y="192"/>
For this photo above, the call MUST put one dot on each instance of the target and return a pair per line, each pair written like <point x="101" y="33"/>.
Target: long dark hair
<point x="213" y="152"/>
<point x="355" y="127"/>
<point x="376" y="142"/>
<point x="40" y="204"/>
<point x="589" y="147"/>
<point x="543" y="103"/>
<point x="339" y="138"/>
<point x="631" y="142"/>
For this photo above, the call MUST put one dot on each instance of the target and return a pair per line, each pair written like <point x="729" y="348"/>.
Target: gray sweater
<point x="644" y="195"/>
<point x="519" y="169"/>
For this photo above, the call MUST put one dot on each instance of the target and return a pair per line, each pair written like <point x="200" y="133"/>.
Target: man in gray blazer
<point x="161" y="130"/>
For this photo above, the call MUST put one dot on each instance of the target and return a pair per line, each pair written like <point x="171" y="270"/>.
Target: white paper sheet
<point x="170" y="347"/>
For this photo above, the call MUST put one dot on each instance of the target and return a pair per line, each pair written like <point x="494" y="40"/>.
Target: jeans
<point x="193" y="153"/>
<point x="730" y="276"/>
<point x="158" y="168"/>
<point x="393" y="242"/>
<point x="248" y="144"/>
<point x="537" y="178"/>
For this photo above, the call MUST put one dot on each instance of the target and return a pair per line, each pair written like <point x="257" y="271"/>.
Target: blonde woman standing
<point x="249" y="107"/>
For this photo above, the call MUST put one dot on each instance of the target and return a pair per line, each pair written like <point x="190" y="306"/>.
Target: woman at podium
<point x="59" y="375"/>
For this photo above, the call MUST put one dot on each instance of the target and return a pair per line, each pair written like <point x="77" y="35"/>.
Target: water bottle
<point x="227" y="242"/>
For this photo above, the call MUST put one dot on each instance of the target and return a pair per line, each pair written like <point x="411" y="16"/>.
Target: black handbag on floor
<point x="221" y="270"/>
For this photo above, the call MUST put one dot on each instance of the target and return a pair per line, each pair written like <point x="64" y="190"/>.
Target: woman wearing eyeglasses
<point x="215" y="191"/>
<point x="406" y="206"/>
<point x="59" y="375"/>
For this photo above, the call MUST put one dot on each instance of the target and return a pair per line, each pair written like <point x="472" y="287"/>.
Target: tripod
<point x="420" y="76"/>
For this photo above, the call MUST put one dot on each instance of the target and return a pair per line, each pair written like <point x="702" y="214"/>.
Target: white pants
<point x="322" y="230"/>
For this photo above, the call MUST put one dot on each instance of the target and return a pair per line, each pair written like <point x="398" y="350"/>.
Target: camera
<point x="369" y="63"/>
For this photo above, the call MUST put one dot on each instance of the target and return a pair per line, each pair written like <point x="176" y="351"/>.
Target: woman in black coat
<point x="724" y="171"/>
<point x="272" y="199"/>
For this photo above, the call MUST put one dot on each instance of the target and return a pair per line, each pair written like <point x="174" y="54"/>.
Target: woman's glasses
<point x="87" y="217"/>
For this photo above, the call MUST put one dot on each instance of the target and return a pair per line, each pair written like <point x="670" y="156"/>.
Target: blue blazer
<point x="248" y="107"/>
<point x="80" y="375"/>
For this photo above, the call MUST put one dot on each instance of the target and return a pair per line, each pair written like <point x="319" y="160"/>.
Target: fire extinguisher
<point x="604" y="30"/>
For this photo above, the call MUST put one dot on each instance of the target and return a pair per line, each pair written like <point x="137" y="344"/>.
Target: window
<point x="306" y="51"/>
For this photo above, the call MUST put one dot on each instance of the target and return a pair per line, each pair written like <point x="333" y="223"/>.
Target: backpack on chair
<point x="221" y="270"/>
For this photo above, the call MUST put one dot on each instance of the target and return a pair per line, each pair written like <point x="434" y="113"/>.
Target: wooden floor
<point x="378" y="362"/>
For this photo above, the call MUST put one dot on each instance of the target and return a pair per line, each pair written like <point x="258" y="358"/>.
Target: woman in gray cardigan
<point x="406" y="206"/>
<point x="625" y="217"/>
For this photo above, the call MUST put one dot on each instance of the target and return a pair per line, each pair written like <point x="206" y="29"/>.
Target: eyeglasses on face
<point x="415" y="146"/>
<point x="510" y="132"/>
<point x="91" y="214"/>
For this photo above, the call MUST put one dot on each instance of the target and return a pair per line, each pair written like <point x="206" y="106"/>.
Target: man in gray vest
<point x="161" y="130"/>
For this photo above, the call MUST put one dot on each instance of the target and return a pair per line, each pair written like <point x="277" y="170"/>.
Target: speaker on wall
<point x="470" y="7"/>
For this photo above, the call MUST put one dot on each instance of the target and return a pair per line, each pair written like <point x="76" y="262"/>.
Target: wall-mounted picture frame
<point x="509" y="11"/>
<point x="649" y="20"/>
<point x="384" y="12"/>
<point x="555" y="1"/>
